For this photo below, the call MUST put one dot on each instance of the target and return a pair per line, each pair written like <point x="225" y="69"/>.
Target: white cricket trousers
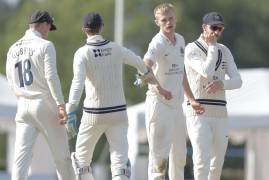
<point x="166" y="131"/>
<point x="114" y="125"/>
<point x="36" y="116"/>
<point x="209" y="141"/>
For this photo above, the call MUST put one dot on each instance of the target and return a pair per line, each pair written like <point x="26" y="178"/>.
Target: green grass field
<point x="3" y="151"/>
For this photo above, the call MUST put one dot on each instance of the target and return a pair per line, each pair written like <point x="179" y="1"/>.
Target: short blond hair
<point x="164" y="7"/>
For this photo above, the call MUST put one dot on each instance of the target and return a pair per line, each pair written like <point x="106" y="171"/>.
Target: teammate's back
<point x="103" y="67"/>
<point x="30" y="65"/>
<point x="32" y="74"/>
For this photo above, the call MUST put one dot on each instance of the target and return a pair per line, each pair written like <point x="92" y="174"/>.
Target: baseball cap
<point x="92" y="20"/>
<point x="40" y="17"/>
<point x="213" y="18"/>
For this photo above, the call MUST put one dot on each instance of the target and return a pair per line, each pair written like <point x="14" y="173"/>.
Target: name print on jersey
<point x="102" y="52"/>
<point x="21" y="51"/>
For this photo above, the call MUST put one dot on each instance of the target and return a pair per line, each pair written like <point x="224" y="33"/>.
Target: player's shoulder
<point x="89" y="48"/>
<point x="115" y="45"/>
<point x="43" y="43"/>
<point x="158" y="41"/>
<point x="13" y="46"/>
<point x="191" y="45"/>
<point x="83" y="50"/>
<point x="224" y="48"/>
<point x="158" y="38"/>
<point x="180" y="37"/>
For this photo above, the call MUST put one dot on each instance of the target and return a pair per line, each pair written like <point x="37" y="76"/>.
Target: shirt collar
<point x="95" y="38"/>
<point x="32" y="32"/>
<point x="200" y="39"/>
<point x="168" y="40"/>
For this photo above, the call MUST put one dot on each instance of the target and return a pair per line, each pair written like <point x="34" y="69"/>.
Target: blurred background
<point x="246" y="35"/>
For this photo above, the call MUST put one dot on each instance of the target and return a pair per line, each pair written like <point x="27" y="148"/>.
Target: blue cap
<point x="213" y="18"/>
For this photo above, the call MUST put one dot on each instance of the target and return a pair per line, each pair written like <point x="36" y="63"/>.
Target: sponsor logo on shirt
<point x="102" y="52"/>
<point x="174" y="69"/>
<point x="182" y="50"/>
<point x="215" y="78"/>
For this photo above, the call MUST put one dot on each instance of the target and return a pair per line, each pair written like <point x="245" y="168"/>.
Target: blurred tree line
<point x="247" y="23"/>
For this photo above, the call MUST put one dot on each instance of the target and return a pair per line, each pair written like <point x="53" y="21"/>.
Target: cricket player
<point x="207" y="62"/>
<point x="32" y="74"/>
<point x="165" y="121"/>
<point x="98" y="65"/>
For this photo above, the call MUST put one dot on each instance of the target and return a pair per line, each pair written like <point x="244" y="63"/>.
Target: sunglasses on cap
<point x="215" y="28"/>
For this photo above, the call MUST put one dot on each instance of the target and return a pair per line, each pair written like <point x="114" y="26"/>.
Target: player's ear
<point x="156" y="22"/>
<point x="84" y="30"/>
<point x="203" y="27"/>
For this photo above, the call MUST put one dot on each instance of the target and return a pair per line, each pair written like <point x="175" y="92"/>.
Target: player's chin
<point x="170" y="29"/>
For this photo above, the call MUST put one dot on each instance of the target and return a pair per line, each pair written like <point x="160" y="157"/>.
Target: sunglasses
<point x="215" y="28"/>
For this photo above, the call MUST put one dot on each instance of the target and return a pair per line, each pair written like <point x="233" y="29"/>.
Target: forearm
<point x="210" y="63"/>
<point x="133" y="60"/>
<point x="76" y="91"/>
<point x="233" y="83"/>
<point x="154" y="81"/>
<point x="187" y="90"/>
<point x="77" y="86"/>
<point x="195" y="59"/>
<point x="56" y="90"/>
<point x="51" y="75"/>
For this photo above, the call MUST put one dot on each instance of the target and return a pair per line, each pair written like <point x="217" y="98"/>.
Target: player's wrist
<point x="71" y="107"/>
<point x="191" y="100"/>
<point x="157" y="87"/>
<point x="220" y="84"/>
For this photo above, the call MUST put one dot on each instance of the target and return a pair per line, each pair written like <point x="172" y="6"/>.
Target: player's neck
<point x="171" y="36"/>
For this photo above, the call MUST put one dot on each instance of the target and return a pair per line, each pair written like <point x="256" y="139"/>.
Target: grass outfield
<point x="3" y="151"/>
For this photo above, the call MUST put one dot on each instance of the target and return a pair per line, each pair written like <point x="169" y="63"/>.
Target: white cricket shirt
<point x="99" y="65"/>
<point x="168" y="66"/>
<point x="205" y="64"/>
<point x="31" y="68"/>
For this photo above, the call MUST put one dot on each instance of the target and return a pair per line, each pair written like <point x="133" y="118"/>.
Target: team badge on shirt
<point x="181" y="50"/>
<point x="194" y="55"/>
